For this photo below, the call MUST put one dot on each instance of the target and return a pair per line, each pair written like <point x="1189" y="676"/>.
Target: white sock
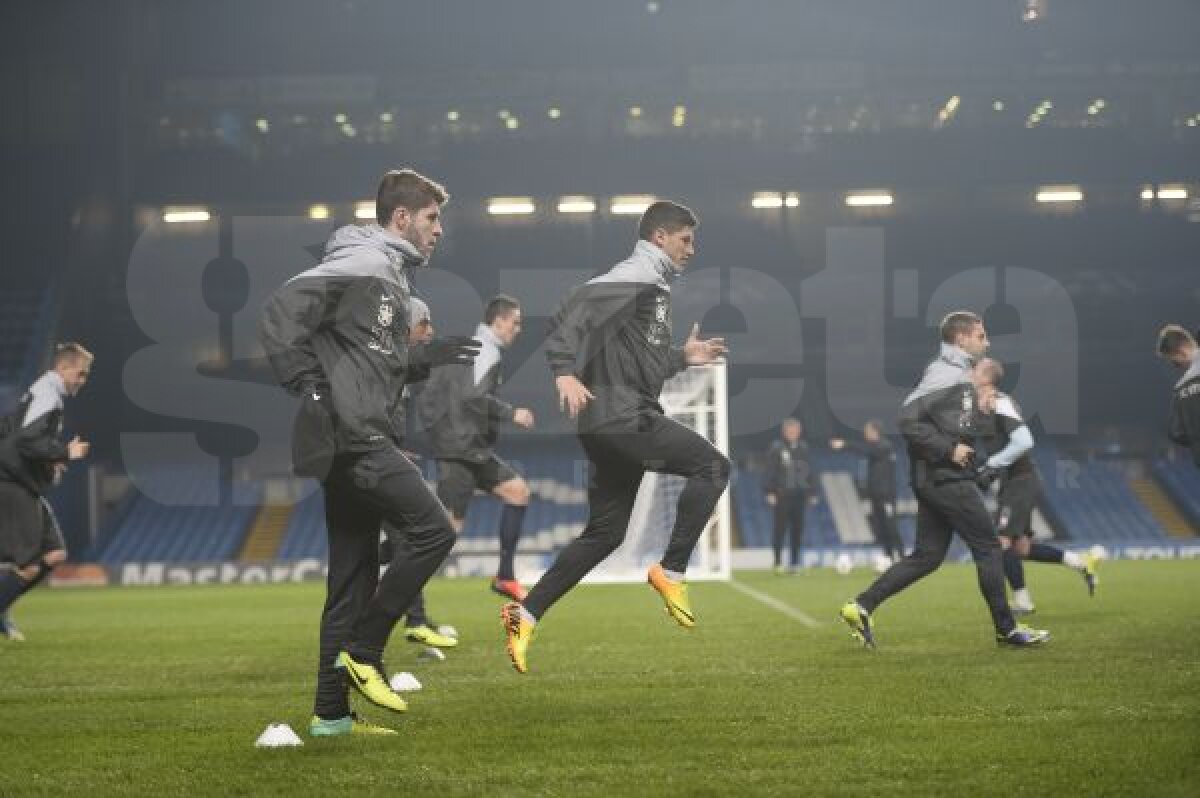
<point x="527" y="615"/>
<point x="1022" y="598"/>
<point x="1072" y="560"/>
<point x="674" y="576"/>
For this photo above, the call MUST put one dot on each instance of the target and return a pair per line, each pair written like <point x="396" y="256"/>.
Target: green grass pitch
<point x="162" y="691"/>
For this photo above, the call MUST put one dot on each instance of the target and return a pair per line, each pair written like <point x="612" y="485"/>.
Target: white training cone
<point x="405" y="682"/>
<point x="278" y="735"/>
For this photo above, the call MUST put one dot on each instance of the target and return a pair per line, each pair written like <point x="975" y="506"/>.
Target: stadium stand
<point x="180" y="524"/>
<point x="1180" y="481"/>
<point x="1093" y="500"/>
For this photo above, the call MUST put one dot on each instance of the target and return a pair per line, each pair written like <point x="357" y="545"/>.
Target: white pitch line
<point x="775" y="604"/>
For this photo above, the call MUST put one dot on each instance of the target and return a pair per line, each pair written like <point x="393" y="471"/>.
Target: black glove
<point x="985" y="475"/>
<point x="454" y="349"/>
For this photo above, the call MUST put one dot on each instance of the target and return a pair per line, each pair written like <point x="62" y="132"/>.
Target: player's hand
<point x="837" y="444"/>
<point x="699" y="353"/>
<point x="523" y="417"/>
<point x="573" y="395"/>
<point x="448" y="351"/>
<point x="77" y="449"/>
<point x="985" y="476"/>
<point x="962" y="455"/>
<point x="771" y="500"/>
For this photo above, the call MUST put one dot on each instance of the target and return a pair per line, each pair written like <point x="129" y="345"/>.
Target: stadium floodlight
<point x="554" y="113"/>
<point x="1052" y="194"/>
<point x="511" y="206"/>
<point x="1172" y="193"/>
<point x="576" y="204"/>
<point x="364" y="210"/>
<point x="765" y="200"/>
<point x="869" y="199"/>
<point x="185" y="215"/>
<point x="1147" y="193"/>
<point x="318" y="212"/>
<point x="452" y="116"/>
<point x="630" y="204"/>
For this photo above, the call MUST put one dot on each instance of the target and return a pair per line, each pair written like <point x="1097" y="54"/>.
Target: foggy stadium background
<point x="961" y="112"/>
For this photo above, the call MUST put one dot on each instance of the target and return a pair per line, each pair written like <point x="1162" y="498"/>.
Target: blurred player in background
<point x="787" y="485"/>
<point x="33" y="457"/>
<point x="881" y="484"/>
<point x="462" y="415"/>
<point x="418" y="626"/>
<point x="1178" y="347"/>
<point x="1005" y="434"/>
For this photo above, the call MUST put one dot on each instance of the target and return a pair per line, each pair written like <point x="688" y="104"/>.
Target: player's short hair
<point x="957" y="323"/>
<point x="992" y="369"/>
<point x="405" y="188"/>
<point x="665" y="215"/>
<point x="1172" y="338"/>
<point x="499" y="306"/>
<point x="418" y="311"/>
<point x="70" y="352"/>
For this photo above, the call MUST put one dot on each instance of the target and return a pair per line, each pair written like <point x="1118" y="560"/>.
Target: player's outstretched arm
<point x="699" y="351"/>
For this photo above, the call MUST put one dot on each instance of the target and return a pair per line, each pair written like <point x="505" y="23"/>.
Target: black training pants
<point x="941" y="511"/>
<point x="790" y="507"/>
<point x="619" y="454"/>
<point x="883" y="526"/>
<point x="362" y="492"/>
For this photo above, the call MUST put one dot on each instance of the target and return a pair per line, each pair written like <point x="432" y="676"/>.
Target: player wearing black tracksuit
<point x="337" y="336"/>
<point x="938" y="419"/>
<point x="614" y="334"/>
<point x="881" y="492"/>
<point x="462" y="414"/>
<point x="787" y="485"/>
<point x="33" y="457"/>
<point x="1183" y="426"/>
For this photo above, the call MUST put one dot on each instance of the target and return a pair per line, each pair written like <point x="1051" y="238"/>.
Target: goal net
<point x="696" y="398"/>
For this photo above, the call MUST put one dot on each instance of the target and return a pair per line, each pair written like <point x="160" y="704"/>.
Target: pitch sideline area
<point x="162" y="691"/>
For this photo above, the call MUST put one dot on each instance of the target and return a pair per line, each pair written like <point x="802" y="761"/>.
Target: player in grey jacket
<point x="1178" y="347"/>
<point x="33" y="457"/>
<point x="938" y="423"/>
<point x="610" y="351"/>
<point x="337" y="335"/>
<point x="462" y="415"/>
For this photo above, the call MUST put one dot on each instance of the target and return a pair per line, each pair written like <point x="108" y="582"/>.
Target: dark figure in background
<point x="1178" y="347"/>
<point x="33" y="457"/>
<point x="787" y="487"/>
<point x="462" y="415"/>
<point x="881" y="485"/>
<point x="938" y="421"/>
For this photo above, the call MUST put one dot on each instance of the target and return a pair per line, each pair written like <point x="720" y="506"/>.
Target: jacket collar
<point x="956" y="356"/>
